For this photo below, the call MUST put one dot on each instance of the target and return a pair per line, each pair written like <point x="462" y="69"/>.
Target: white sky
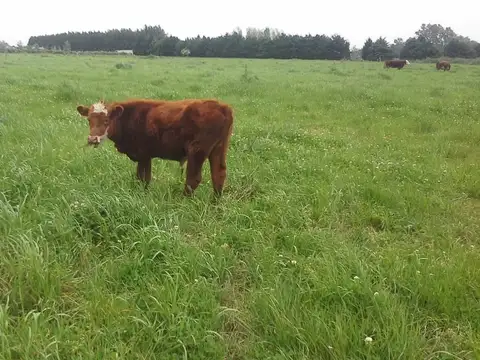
<point x="355" y="20"/>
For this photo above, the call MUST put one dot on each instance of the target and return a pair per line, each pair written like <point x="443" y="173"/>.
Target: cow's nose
<point x="93" y="140"/>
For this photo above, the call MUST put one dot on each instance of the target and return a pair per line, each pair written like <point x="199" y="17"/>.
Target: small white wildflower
<point x="368" y="340"/>
<point x="294" y="262"/>
<point x="375" y="293"/>
<point x="356" y="277"/>
<point x="196" y="280"/>
<point x="329" y="347"/>
<point x="224" y="246"/>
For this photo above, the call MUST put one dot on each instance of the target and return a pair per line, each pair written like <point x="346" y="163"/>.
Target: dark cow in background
<point x="445" y="65"/>
<point x="399" y="64"/>
<point x="185" y="130"/>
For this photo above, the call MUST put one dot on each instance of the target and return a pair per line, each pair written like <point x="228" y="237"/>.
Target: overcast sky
<point x="355" y="20"/>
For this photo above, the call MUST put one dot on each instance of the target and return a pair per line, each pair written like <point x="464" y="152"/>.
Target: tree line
<point x="430" y="41"/>
<point x="153" y="40"/>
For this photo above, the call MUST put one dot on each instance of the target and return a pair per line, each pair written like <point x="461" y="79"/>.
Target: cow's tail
<point x="228" y="113"/>
<point x="226" y="131"/>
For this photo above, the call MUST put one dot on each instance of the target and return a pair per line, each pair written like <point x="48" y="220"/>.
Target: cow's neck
<point x="118" y="134"/>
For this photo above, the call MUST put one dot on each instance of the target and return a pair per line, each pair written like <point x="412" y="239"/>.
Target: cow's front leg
<point x="194" y="172"/>
<point x="140" y="171"/>
<point x="182" y="166"/>
<point x="144" y="171"/>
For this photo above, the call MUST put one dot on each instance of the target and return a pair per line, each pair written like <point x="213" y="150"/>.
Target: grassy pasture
<point x="351" y="210"/>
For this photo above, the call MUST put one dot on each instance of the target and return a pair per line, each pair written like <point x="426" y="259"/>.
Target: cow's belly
<point x="166" y="147"/>
<point x="175" y="153"/>
<point x="169" y="146"/>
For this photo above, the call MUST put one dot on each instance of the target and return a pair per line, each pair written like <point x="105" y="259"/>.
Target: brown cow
<point x="399" y="64"/>
<point x="445" y="65"/>
<point x="188" y="130"/>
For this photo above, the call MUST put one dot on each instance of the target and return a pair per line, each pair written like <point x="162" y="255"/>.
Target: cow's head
<point x="100" y="116"/>
<point x="407" y="62"/>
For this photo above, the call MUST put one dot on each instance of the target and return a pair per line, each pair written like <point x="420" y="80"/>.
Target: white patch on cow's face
<point x="407" y="62"/>
<point x="99" y="108"/>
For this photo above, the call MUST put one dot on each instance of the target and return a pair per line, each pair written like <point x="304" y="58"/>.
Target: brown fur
<point x="185" y="131"/>
<point x="445" y="65"/>
<point x="399" y="64"/>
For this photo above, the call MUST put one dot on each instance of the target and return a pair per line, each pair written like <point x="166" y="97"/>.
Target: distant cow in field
<point x="185" y="131"/>
<point x="445" y="65"/>
<point x="399" y="64"/>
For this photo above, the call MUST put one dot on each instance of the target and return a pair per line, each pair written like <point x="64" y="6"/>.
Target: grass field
<point x="351" y="210"/>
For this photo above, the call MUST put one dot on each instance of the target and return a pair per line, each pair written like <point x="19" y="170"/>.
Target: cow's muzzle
<point x="93" y="140"/>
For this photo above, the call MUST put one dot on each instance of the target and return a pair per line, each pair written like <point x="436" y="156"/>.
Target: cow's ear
<point x="116" y="112"/>
<point x="82" y="110"/>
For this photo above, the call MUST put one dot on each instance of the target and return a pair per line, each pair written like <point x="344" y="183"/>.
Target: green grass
<point x="351" y="209"/>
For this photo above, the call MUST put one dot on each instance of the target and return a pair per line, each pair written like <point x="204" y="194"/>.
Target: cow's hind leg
<point x="195" y="162"/>
<point x="218" y="167"/>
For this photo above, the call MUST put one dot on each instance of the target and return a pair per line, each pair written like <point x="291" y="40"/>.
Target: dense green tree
<point x="476" y="47"/>
<point x="166" y="46"/>
<point x="458" y="48"/>
<point x="337" y="48"/>
<point x="436" y="34"/>
<point x="368" y="52"/>
<point x="382" y="50"/>
<point x="377" y="51"/>
<point x="419" y="48"/>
